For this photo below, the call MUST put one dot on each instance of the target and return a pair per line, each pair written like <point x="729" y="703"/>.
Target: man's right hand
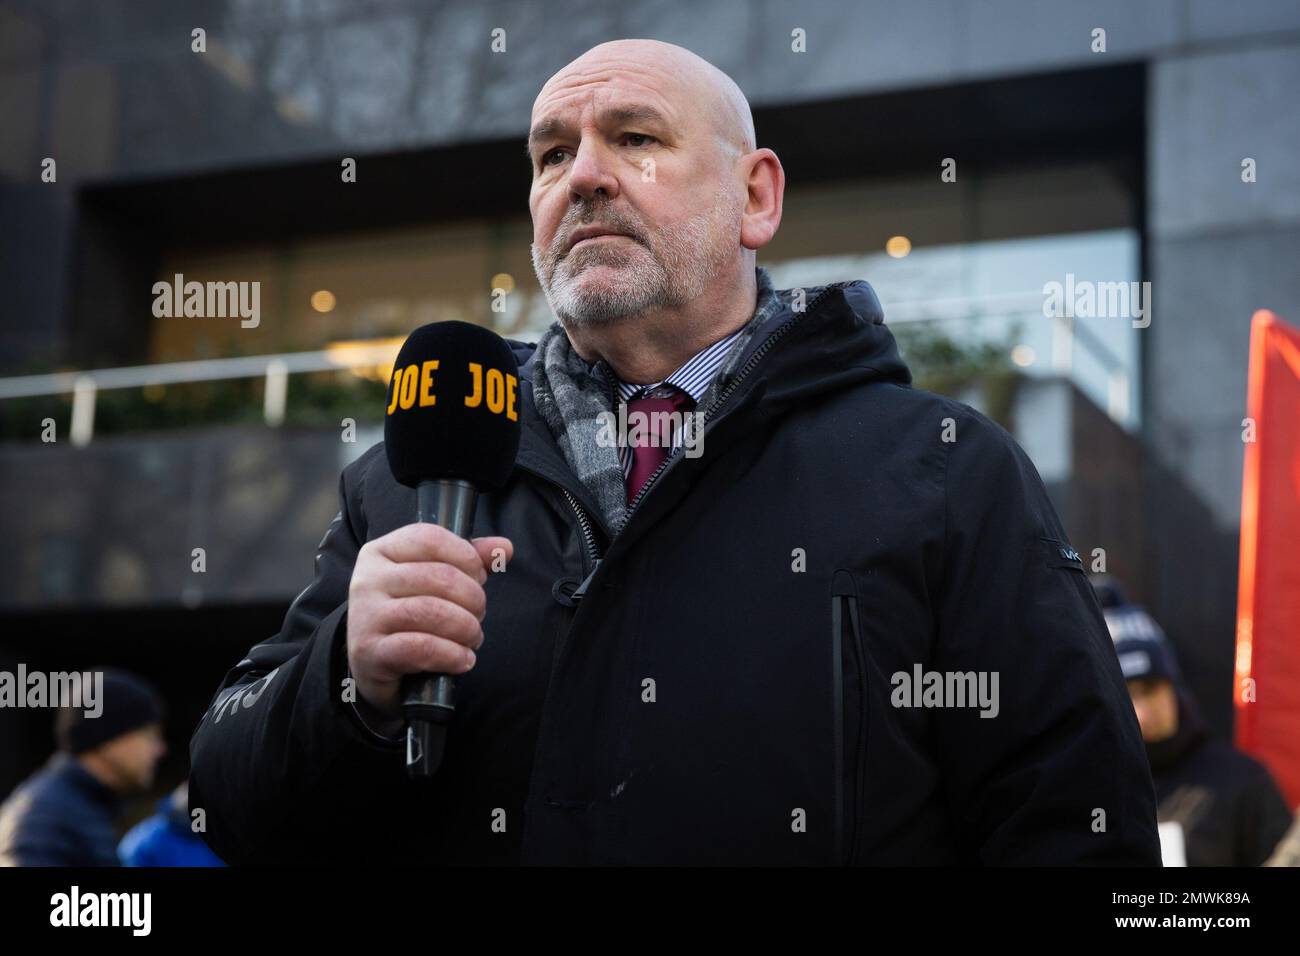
<point x="416" y="605"/>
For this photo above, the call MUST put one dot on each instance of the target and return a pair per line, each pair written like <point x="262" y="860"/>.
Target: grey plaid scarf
<point x="570" y="395"/>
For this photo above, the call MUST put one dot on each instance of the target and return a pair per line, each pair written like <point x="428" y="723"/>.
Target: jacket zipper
<point x="837" y="729"/>
<point x="754" y="359"/>
<point x="589" y="538"/>
<point x="848" y="773"/>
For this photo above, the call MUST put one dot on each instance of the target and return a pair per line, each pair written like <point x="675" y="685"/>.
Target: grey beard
<point x="646" y="286"/>
<point x="693" y="252"/>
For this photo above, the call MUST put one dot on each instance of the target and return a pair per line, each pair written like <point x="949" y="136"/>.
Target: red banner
<point x="1267" y="689"/>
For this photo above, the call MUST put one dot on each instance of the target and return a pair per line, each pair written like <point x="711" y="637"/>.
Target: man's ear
<point x="765" y="190"/>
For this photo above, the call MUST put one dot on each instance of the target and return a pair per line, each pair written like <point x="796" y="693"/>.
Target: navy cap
<point x="1146" y="656"/>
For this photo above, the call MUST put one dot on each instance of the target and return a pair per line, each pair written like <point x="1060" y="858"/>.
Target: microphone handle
<point x="428" y="700"/>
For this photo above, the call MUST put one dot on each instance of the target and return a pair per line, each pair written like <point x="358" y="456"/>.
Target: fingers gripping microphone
<point x="451" y="431"/>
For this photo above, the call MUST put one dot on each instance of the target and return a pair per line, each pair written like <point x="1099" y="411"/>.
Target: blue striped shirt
<point x="693" y="378"/>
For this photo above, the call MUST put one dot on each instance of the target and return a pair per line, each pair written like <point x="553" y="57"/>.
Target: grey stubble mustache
<point x="585" y="217"/>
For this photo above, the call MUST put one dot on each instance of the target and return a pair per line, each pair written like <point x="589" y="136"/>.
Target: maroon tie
<point x="646" y="457"/>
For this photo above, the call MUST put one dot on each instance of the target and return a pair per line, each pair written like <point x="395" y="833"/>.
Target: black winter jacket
<point x="726" y="685"/>
<point x="1229" y="808"/>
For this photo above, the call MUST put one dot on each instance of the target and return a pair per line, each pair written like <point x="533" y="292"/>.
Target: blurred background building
<point x="1115" y="166"/>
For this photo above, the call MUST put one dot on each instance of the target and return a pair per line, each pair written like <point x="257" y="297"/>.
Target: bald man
<point x="747" y="598"/>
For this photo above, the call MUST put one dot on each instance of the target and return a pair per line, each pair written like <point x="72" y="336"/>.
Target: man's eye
<point x="639" y="136"/>
<point x="546" y="157"/>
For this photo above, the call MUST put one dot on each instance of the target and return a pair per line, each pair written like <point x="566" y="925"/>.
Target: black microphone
<point x="451" y="431"/>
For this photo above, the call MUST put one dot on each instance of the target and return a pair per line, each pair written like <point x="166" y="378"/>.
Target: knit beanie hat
<point x="126" y="703"/>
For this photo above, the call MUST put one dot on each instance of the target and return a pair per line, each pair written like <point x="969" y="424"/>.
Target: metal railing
<point x="965" y="314"/>
<point x="1069" y="336"/>
<point x="276" y="369"/>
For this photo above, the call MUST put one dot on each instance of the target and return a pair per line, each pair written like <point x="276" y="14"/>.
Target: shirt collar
<point x="693" y="377"/>
<point x="698" y="373"/>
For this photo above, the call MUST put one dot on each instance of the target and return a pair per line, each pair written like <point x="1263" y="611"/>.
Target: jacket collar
<point x="813" y="341"/>
<point x="70" y="770"/>
<point x="1190" y="735"/>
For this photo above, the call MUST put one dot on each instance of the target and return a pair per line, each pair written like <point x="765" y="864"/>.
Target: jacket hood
<point x="1191" y="733"/>
<point x="829" y="338"/>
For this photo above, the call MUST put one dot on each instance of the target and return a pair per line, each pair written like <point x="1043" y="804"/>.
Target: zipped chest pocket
<point x="849" y="718"/>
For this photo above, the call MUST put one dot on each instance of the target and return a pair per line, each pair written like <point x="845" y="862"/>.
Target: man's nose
<point x="592" y="172"/>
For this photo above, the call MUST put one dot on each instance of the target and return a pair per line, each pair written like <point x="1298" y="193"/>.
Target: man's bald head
<point x="648" y="194"/>
<point x="687" y="79"/>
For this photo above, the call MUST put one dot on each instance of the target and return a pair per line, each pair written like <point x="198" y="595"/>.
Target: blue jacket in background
<point x="60" y="816"/>
<point x="165" y="839"/>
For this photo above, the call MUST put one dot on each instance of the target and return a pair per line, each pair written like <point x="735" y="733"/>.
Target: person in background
<point x="65" y="814"/>
<point x="1223" y="806"/>
<point x="166" y="838"/>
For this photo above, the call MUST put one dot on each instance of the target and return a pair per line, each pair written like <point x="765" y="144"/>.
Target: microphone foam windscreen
<point x="453" y="407"/>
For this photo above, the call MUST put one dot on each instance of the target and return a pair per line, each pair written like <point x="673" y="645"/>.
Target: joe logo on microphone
<point x="416" y="385"/>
